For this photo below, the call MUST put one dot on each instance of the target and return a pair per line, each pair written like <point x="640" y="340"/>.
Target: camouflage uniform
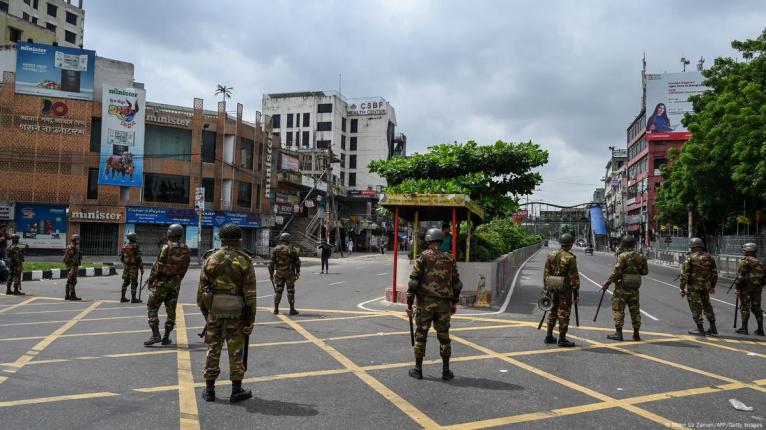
<point x="285" y="265"/>
<point x="562" y="263"/>
<point x="165" y="281"/>
<point x="436" y="275"/>
<point x="750" y="279"/>
<point x="700" y="274"/>
<point x="629" y="262"/>
<point x="130" y="256"/>
<point x="226" y="271"/>
<point x="72" y="260"/>
<point x="15" y="265"/>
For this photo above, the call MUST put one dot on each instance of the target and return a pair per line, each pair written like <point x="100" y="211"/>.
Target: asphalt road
<point x="342" y="363"/>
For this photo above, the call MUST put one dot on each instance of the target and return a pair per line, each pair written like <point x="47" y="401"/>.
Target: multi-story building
<point x="43" y="21"/>
<point x="615" y="183"/>
<point x="54" y="180"/>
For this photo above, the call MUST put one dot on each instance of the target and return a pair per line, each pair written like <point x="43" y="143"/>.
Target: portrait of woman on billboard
<point x="659" y="121"/>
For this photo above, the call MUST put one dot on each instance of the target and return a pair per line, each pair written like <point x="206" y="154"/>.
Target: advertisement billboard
<point x="151" y="215"/>
<point x="54" y="71"/>
<point x="667" y="100"/>
<point x="367" y="107"/>
<point x="42" y="226"/>
<point x="123" y="113"/>
<point x="289" y="163"/>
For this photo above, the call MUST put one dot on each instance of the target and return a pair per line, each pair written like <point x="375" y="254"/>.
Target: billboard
<point x="54" y="71"/>
<point x="667" y="100"/>
<point x="289" y="162"/>
<point x="42" y="226"/>
<point x="123" y="113"/>
<point x="368" y="107"/>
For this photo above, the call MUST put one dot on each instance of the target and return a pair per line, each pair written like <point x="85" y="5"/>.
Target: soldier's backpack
<point x="128" y="254"/>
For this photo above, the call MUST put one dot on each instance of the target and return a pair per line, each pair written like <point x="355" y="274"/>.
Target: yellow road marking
<point x="32" y="353"/>
<point x="187" y="400"/>
<point x="17" y="305"/>
<point x="39" y="400"/>
<point x="333" y="311"/>
<point x="62" y="310"/>
<point x="728" y="348"/>
<point x="408" y="408"/>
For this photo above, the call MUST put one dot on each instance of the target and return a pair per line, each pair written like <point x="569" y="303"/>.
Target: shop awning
<point x="432" y="207"/>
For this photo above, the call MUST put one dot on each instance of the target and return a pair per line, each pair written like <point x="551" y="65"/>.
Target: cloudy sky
<point x="564" y="74"/>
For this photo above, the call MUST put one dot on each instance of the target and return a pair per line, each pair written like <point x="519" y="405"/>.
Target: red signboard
<point x="523" y="214"/>
<point x="683" y="135"/>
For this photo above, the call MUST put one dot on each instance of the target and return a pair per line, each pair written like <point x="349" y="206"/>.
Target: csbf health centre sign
<point x="123" y="113"/>
<point x="55" y="71"/>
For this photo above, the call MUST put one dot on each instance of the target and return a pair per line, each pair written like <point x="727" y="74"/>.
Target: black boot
<point x="166" y="338"/>
<point x="617" y="335"/>
<point x="549" y="339"/>
<point x="67" y="293"/>
<point x="447" y="374"/>
<point x="155" y="337"/>
<point x="73" y="296"/>
<point x="8" y="290"/>
<point x="209" y="393"/>
<point x="700" y="330"/>
<point x="17" y="291"/>
<point x="237" y="393"/>
<point x="292" y="309"/>
<point x="636" y="336"/>
<point x="712" y="331"/>
<point x="133" y="298"/>
<point x="563" y="342"/>
<point x="123" y="299"/>
<point x="743" y="329"/>
<point x="417" y="371"/>
<point x="759" y="330"/>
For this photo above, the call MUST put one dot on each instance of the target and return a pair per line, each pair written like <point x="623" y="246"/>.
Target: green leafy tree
<point x="493" y="175"/>
<point x="723" y="165"/>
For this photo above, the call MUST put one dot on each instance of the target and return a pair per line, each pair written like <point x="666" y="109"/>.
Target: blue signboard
<point x="147" y="215"/>
<point x="42" y="226"/>
<point x="54" y="71"/>
<point x="597" y="220"/>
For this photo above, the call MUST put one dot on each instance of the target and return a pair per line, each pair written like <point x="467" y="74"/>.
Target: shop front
<point x="100" y="228"/>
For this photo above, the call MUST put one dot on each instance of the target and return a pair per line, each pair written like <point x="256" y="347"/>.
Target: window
<point x="342" y="161"/>
<point x="95" y="135"/>
<point x="34" y="20"/>
<point x="166" y="188"/>
<point x="275" y="120"/>
<point x="258" y="196"/>
<point x="352" y="144"/>
<point x="324" y="126"/>
<point x="27" y="2"/>
<point x="52" y="10"/>
<point x="324" y="108"/>
<point x="24" y="16"/>
<point x="70" y="37"/>
<point x="209" y="185"/>
<point x="14" y="33"/>
<point x="50" y="27"/>
<point x="342" y="179"/>
<point x="208" y="146"/>
<point x="167" y="142"/>
<point x="352" y="161"/>
<point x="342" y="141"/>
<point x="244" y="195"/>
<point x="289" y="120"/>
<point x="659" y="162"/>
<point x="297" y="138"/>
<point x="354" y="125"/>
<point x="36" y="4"/>
<point x="3" y="6"/>
<point x="246" y="153"/>
<point x="306" y="139"/>
<point x="352" y="179"/>
<point x="306" y="119"/>
<point x="71" y="18"/>
<point x="343" y="124"/>
<point x="323" y="144"/>
<point x="93" y="184"/>
<point x="289" y="138"/>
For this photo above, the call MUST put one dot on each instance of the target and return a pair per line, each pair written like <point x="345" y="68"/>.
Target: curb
<point x="36" y="275"/>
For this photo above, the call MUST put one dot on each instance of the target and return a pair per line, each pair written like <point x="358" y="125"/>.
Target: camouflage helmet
<point x="566" y="239"/>
<point x="230" y="232"/>
<point x="75" y="237"/>
<point x="285" y="237"/>
<point x="15" y="238"/>
<point x="175" y="231"/>
<point x="696" y="242"/>
<point x="132" y="237"/>
<point x="628" y="242"/>
<point x="434" y="235"/>
<point x="749" y="248"/>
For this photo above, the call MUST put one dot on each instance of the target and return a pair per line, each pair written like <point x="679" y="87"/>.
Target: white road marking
<point x="599" y="286"/>
<point x="675" y="287"/>
<point x="264" y="296"/>
<point x="264" y="280"/>
<point x="336" y="283"/>
<point x="362" y="305"/>
<point x="382" y="274"/>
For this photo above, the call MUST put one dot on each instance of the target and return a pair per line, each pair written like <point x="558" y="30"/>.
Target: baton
<point x="204" y="330"/>
<point x="736" y="311"/>
<point x="577" y="316"/>
<point x="541" y="320"/>
<point x="140" y="282"/>
<point x="412" y="331"/>
<point x="603" y="291"/>
<point x="732" y="285"/>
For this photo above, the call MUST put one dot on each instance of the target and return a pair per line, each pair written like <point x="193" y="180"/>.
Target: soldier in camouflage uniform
<point x="284" y="269"/>
<point x="435" y="282"/>
<point x="751" y="276"/>
<point x="130" y="256"/>
<point x="226" y="297"/>
<point x="700" y="274"/>
<point x="164" y="283"/>
<point x="72" y="260"/>
<point x="626" y="277"/>
<point x="15" y="265"/>
<point x="562" y="286"/>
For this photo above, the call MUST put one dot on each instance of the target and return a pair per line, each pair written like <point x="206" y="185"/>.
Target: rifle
<point x="412" y="331"/>
<point x="603" y="291"/>
<point x="542" y="319"/>
<point x="732" y="284"/>
<point x="736" y="311"/>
